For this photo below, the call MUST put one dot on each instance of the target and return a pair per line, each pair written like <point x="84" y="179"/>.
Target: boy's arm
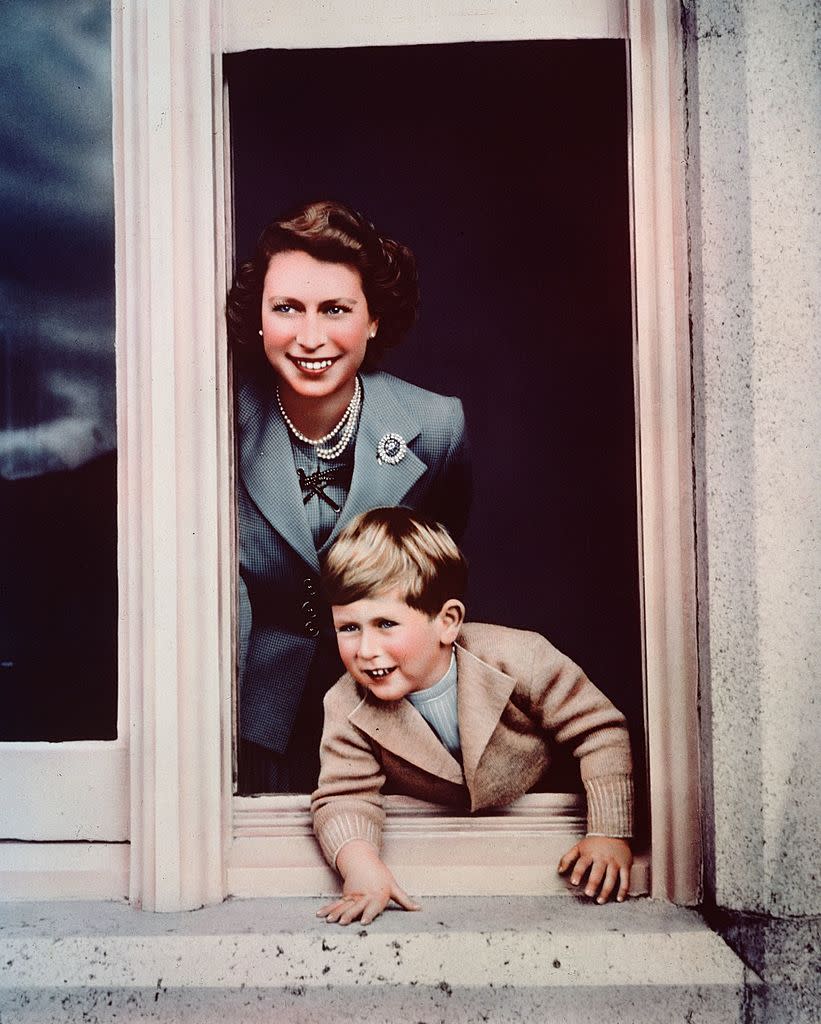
<point x="348" y="817"/>
<point x="576" y="713"/>
<point x="347" y="803"/>
<point x="368" y="886"/>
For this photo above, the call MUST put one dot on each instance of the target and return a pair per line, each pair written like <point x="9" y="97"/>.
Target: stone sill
<point x="559" y="951"/>
<point x="544" y="941"/>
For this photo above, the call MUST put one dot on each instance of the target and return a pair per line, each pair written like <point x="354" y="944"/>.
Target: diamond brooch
<point x="391" y="449"/>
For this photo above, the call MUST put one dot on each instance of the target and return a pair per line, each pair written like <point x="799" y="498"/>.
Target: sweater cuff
<point x="335" y="831"/>
<point x="610" y="806"/>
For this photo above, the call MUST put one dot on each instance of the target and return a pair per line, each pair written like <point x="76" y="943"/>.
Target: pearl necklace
<point x="347" y="425"/>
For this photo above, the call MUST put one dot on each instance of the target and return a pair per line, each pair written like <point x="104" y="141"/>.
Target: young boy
<point x="448" y="712"/>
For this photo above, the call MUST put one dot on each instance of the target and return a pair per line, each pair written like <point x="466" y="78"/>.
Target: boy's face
<point x="393" y="649"/>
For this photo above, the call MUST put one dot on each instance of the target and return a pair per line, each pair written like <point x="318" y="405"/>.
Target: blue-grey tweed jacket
<point x="288" y="632"/>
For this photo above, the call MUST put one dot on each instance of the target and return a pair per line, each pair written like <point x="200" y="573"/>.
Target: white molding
<point x="63" y="791"/>
<point x="664" y="389"/>
<point x="171" y="385"/>
<point x="63" y="871"/>
<point x="257" y="24"/>
<point x="431" y="850"/>
<point x="274" y="815"/>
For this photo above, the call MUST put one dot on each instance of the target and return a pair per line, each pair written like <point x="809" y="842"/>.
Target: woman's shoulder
<point x="253" y="398"/>
<point x="414" y="397"/>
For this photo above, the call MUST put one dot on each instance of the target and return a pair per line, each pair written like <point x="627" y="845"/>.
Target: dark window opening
<point x="505" y="167"/>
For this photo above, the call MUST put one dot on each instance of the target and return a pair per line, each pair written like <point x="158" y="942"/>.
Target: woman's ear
<point x="373" y="329"/>
<point x="451" y="617"/>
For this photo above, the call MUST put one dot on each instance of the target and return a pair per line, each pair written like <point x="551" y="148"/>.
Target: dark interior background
<point x="504" y="166"/>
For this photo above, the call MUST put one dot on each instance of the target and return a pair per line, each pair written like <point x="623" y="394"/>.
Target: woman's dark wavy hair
<point x="333" y="232"/>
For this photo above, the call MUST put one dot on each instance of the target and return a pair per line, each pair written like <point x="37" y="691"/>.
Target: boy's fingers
<point x="354" y="910"/>
<point x="610" y="878"/>
<point x="624" y="887"/>
<point x="568" y="859"/>
<point x="595" y="878"/>
<point x="401" y="897"/>
<point x="582" y="864"/>
<point x="373" y="910"/>
<point x="340" y="907"/>
<point x="329" y="908"/>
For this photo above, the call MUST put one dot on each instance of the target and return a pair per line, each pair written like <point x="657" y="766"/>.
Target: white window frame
<point x="191" y="841"/>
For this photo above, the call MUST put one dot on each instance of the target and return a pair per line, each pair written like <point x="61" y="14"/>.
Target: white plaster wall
<point x="754" y="202"/>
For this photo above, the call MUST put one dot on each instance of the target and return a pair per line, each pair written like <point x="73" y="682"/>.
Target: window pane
<point x="58" y="610"/>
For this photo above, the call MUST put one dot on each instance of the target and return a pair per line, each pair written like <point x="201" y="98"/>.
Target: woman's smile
<point x="312" y="366"/>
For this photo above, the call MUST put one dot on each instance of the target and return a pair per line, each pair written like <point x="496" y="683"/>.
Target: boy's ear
<point x="451" y="617"/>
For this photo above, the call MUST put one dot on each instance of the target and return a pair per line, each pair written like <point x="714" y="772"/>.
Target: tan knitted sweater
<point x="514" y="691"/>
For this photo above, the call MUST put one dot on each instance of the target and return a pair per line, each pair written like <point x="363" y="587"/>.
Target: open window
<point x="504" y="166"/>
<point x="509" y="167"/>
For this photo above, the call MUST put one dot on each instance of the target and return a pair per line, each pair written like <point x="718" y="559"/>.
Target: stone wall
<point x="754" y="208"/>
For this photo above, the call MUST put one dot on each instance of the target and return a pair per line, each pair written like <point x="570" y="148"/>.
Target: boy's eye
<point x="349" y="627"/>
<point x="386" y="623"/>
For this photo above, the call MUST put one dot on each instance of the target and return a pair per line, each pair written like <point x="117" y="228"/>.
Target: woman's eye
<point x="336" y="310"/>
<point x="283" y="307"/>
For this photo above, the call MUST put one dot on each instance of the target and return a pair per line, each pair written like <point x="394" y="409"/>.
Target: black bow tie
<point x="315" y="484"/>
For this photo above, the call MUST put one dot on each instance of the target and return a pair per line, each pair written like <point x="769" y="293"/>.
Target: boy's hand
<point x="368" y="886"/>
<point x="609" y="861"/>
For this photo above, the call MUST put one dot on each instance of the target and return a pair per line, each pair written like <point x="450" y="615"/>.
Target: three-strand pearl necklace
<point x="345" y="428"/>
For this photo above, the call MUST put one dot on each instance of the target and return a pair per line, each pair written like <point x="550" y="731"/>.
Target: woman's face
<point x="315" y="324"/>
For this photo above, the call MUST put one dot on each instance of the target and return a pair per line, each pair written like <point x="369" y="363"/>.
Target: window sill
<point x="458" y="958"/>
<point x="432" y="851"/>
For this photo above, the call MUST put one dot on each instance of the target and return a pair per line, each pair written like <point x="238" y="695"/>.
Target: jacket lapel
<point x="267" y="468"/>
<point x="375" y="484"/>
<point x="483" y="692"/>
<point x="398" y="727"/>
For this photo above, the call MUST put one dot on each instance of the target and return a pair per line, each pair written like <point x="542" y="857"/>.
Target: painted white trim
<point x="663" y="376"/>
<point x="431" y="850"/>
<point x="272" y="815"/>
<point x="172" y="402"/>
<point x="258" y="24"/>
<point x="63" y="871"/>
<point x="64" y="791"/>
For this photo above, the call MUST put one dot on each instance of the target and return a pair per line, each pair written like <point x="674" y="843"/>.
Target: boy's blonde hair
<point x="395" y="549"/>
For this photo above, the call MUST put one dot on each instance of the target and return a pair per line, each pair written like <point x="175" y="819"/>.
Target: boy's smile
<point x="393" y="649"/>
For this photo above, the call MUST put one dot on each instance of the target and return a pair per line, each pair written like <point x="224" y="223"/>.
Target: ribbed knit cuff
<point x="610" y="806"/>
<point x="340" y="827"/>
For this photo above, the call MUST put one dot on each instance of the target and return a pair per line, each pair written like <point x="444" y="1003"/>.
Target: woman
<point x="322" y="436"/>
